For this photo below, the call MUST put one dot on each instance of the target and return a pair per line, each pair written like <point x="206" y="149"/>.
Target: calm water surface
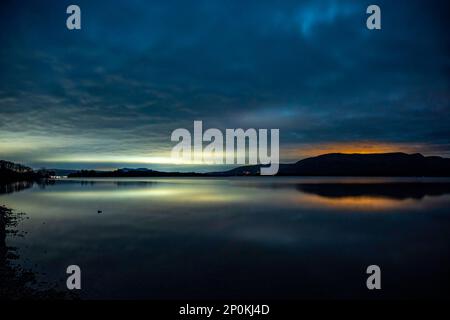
<point x="238" y="237"/>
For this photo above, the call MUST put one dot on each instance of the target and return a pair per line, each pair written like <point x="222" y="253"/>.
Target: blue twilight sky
<point x="110" y="94"/>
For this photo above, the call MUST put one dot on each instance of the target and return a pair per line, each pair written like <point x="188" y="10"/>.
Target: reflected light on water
<point x="362" y="203"/>
<point x="172" y="194"/>
<point x="106" y="194"/>
<point x="172" y="238"/>
<point x="276" y="193"/>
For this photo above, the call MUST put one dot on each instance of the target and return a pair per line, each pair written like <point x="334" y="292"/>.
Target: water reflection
<point x="371" y="196"/>
<point x="15" y="186"/>
<point x="393" y="190"/>
<point x="236" y="238"/>
<point x="23" y="185"/>
<point x="362" y="194"/>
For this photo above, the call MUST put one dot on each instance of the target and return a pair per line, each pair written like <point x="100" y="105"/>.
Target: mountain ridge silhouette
<point x="395" y="164"/>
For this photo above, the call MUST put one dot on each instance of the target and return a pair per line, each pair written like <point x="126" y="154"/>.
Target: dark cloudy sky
<point x="110" y="95"/>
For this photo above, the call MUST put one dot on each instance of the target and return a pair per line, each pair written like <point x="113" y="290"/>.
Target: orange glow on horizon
<point x="362" y="147"/>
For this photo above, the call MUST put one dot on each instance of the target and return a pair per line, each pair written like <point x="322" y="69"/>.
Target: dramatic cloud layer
<point x="110" y="94"/>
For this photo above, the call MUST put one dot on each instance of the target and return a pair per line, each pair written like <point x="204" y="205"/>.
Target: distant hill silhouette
<point x="332" y="164"/>
<point x="390" y="190"/>
<point x="130" y="173"/>
<point x="339" y="164"/>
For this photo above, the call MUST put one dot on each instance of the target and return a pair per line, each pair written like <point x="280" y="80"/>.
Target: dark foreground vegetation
<point x="11" y="172"/>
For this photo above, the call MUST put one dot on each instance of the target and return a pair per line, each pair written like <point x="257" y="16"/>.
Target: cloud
<point x="140" y="69"/>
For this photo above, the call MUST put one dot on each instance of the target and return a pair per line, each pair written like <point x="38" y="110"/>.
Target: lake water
<point x="236" y="238"/>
